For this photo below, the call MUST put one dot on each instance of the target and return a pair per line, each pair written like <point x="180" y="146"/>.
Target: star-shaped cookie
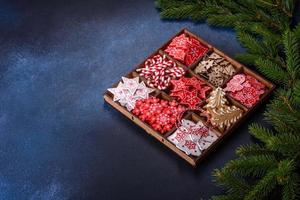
<point x="128" y="92"/>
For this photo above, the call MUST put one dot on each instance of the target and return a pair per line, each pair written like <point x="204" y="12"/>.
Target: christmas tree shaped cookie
<point x="219" y="112"/>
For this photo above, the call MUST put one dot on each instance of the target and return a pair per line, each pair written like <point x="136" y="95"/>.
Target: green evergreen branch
<point x="263" y="27"/>
<point x="296" y="94"/>
<point x="265" y="32"/>
<point x="287" y="144"/>
<point x="253" y="166"/>
<point x="252" y="150"/>
<point x="176" y="9"/>
<point x="282" y="113"/>
<point x="297" y="31"/>
<point x="291" y="187"/>
<point x="264" y="186"/>
<point x="250" y="42"/>
<point x="247" y="58"/>
<point x="272" y="70"/>
<point x="293" y="56"/>
<point x="233" y="184"/>
<point x="268" y="3"/>
<point x="260" y="132"/>
<point x="288" y="7"/>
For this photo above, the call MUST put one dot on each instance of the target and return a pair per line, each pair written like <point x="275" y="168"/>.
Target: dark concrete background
<point x="58" y="139"/>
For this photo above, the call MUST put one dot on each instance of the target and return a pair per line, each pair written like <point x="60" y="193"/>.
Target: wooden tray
<point x="191" y="115"/>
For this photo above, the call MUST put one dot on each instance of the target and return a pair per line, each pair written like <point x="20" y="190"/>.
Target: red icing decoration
<point x="255" y="83"/>
<point x="186" y="49"/>
<point x="190" y="144"/>
<point x="178" y="54"/>
<point x="195" y="51"/>
<point x="179" y="85"/>
<point x="246" y="89"/>
<point x="203" y="91"/>
<point x="190" y="99"/>
<point x="161" y="115"/>
<point x="189" y="91"/>
<point x="159" y="71"/>
<point x="195" y="82"/>
<point x="180" y="136"/>
<point x="180" y="42"/>
<point x="199" y="131"/>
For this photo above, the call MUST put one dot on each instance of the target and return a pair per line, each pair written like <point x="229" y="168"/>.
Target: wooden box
<point x="194" y="116"/>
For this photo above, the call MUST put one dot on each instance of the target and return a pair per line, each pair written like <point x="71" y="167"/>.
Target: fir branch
<point x="228" y="20"/>
<point x="272" y="50"/>
<point x="272" y="70"/>
<point x="285" y="169"/>
<point x="291" y="187"/>
<point x="260" y="25"/>
<point x="260" y="132"/>
<point x="247" y="58"/>
<point x="287" y="144"/>
<point x="263" y="187"/>
<point x="176" y="9"/>
<point x="297" y="31"/>
<point x="282" y="114"/>
<point x="253" y="166"/>
<point x="185" y="12"/>
<point x="268" y="3"/>
<point x="251" y="43"/>
<point x="252" y="150"/>
<point x="264" y="31"/>
<point x="296" y="94"/>
<point x="293" y="56"/>
<point x="233" y="184"/>
<point x="288" y="7"/>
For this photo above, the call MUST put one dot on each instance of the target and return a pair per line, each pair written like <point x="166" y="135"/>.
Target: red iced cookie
<point x="246" y="89"/>
<point x="189" y="91"/>
<point x="161" y="115"/>
<point x="180" y="42"/>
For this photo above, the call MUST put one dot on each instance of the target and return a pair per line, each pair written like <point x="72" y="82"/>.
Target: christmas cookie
<point x="159" y="71"/>
<point x="218" y="111"/>
<point x="189" y="91"/>
<point x="129" y="91"/>
<point x="216" y="69"/>
<point x="161" y="115"/>
<point x="245" y="89"/>
<point x="186" y="49"/>
<point x="192" y="138"/>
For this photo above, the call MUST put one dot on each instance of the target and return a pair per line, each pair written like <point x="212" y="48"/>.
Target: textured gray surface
<point x="58" y="139"/>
